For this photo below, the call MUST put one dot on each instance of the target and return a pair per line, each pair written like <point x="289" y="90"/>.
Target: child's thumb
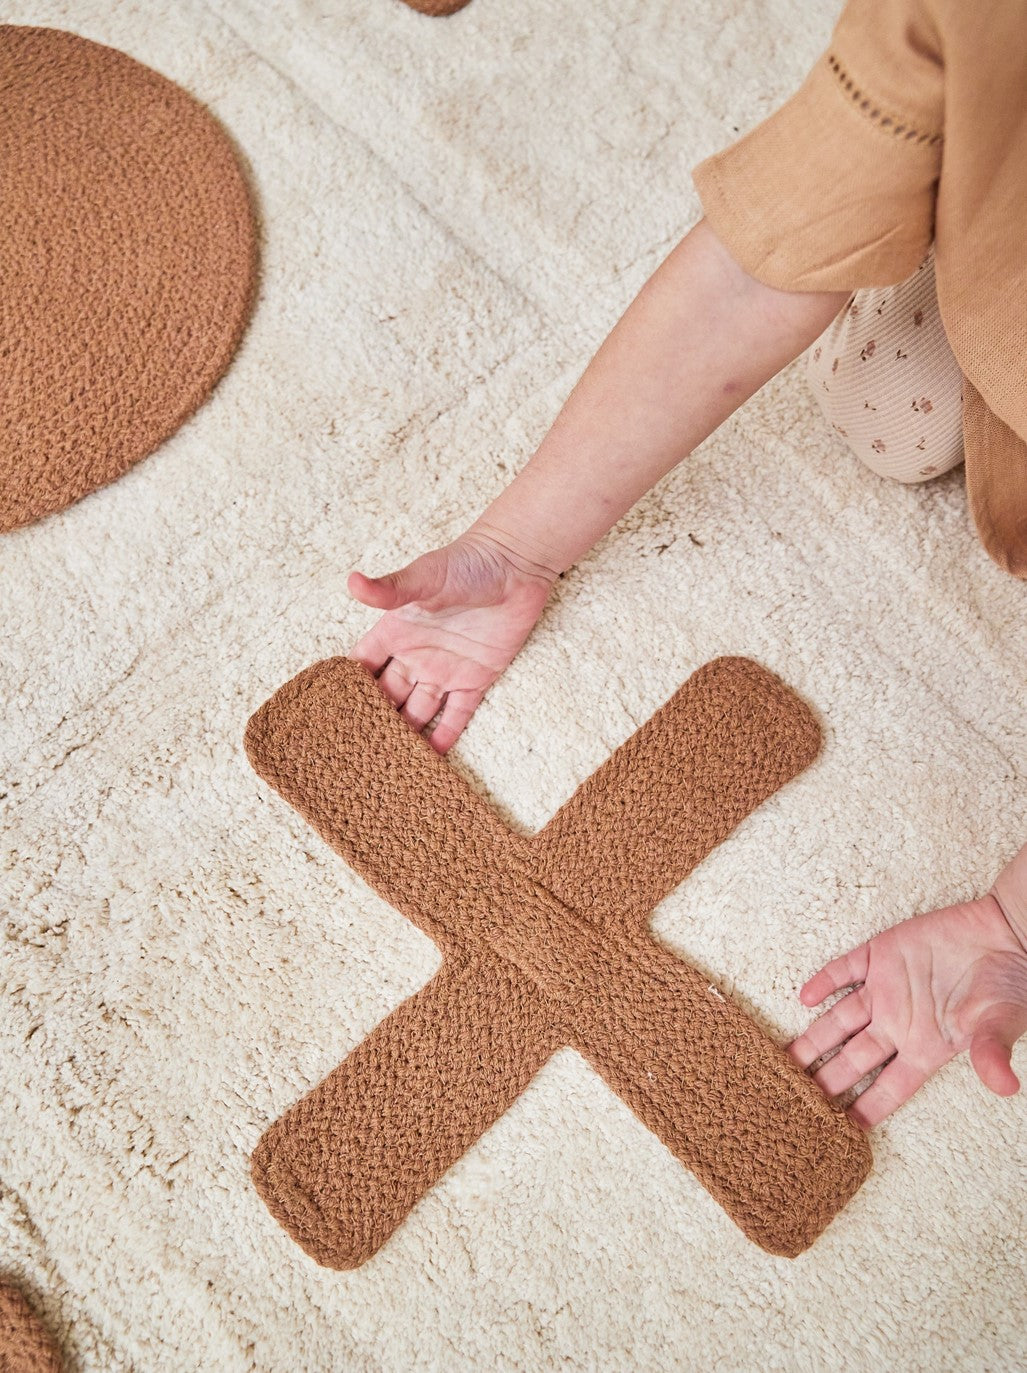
<point x="990" y="1052"/>
<point x="410" y="583"/>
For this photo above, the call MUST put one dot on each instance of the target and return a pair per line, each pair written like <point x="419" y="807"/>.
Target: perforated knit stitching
<point x="884" y="121"/>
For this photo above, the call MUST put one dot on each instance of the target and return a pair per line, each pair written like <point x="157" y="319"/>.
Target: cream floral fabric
<point x="888" y="382"/>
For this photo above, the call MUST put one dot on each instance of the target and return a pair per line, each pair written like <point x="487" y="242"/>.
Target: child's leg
<point x="888" y="382"/>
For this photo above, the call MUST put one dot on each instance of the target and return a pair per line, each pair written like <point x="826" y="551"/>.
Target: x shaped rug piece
<point x="25" y="1346"/>
<point x="545" y="943"/>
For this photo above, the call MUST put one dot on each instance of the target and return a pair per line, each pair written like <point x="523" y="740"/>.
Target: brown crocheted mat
<point x="128" y="243"/>
<point x="437" y="7"/>
<point x="25" y="1346"/>
<point x="545" y="943"/>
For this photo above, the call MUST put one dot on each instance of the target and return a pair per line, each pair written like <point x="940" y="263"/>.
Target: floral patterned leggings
<point x="888" y="382"/>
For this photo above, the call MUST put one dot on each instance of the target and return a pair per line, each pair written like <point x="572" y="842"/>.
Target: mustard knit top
<point x="911" y="128"/>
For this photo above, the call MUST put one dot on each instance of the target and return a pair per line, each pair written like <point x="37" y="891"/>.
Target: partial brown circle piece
<point x="25" y="1347"/>
<point x="129" y="247"/>
<point x="438" y="7"/>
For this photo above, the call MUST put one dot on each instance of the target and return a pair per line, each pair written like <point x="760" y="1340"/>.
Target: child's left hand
<point x="928" y="988"/>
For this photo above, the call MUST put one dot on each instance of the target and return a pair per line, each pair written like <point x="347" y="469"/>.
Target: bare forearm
<point x="697" y="341"/>
<point x="1010" y="891"/>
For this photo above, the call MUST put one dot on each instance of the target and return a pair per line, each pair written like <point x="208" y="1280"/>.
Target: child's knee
<point x="911" y="470"/>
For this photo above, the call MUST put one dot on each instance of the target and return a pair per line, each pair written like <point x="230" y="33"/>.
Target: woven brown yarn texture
<point x="129" y="249"/>
<point x="545" y="942"/>
<point x="25" y="1346"/>
<point x="437" y="7"/>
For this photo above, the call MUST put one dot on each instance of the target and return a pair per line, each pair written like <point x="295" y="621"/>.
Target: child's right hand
<point x="455" y="618"/>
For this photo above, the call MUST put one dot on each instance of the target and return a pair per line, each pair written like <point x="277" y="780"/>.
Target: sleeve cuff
<point x="820" y="197"/>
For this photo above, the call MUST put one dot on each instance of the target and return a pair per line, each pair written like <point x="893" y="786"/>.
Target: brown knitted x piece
<point x="545" y="943"/>
<point x="25" y="1346"/>
<point x="128" y="244"/>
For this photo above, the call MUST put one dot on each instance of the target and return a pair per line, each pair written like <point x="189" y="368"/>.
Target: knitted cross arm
<point x="545" y="943"/>
<point x="25" y="1345"/>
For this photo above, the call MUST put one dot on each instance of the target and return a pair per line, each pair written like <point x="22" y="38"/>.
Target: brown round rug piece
<point x="25" y="1347"/>
<point x="437" y="7"/>
<point x="129" y="248"/>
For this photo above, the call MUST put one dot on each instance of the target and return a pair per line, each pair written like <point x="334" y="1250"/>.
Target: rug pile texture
<point x="453" y="215"/>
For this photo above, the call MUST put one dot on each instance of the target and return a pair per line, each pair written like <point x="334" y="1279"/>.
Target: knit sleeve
<point x="836" y="189"/>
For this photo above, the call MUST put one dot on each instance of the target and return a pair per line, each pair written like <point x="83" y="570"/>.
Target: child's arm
<point x="699" y="339"/>
<point x="1010" y="891"/>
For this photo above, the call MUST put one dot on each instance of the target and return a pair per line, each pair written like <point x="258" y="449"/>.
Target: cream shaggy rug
<point x="455" y="212"/>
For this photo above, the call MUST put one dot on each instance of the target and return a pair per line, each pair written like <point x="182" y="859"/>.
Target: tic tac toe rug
<point x="128" y="244"/>
<point x="454" y="214"/>
<point x="545" y="943"/>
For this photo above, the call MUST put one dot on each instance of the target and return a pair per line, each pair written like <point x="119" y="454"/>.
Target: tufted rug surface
<point x="454" y="213"/>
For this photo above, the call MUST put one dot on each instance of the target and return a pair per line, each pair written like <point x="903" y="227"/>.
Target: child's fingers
<point x="856" y="1058"/>
<point x="422" y="704"/>
<point x="845" y="971"/>
<point x="370" y="650"/>
<point x="396" y="682"/>
<point x="458" y="709"/>
<point x="894" y="1085"/>
<point x="845" y="1018"/>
